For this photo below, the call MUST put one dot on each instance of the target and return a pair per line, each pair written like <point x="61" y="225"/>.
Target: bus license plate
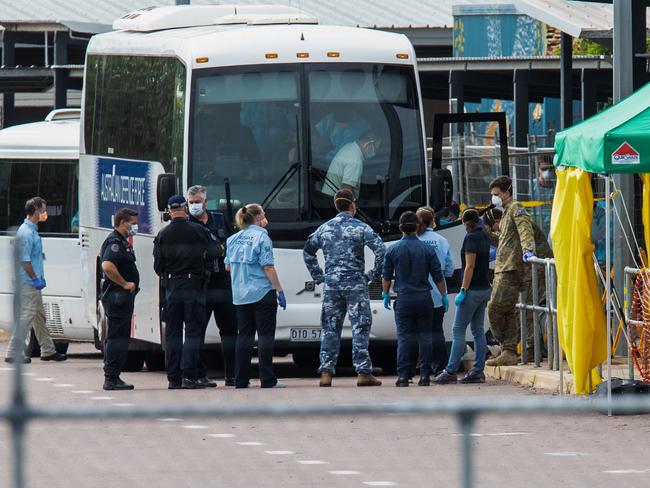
<point x="305" y="335"/>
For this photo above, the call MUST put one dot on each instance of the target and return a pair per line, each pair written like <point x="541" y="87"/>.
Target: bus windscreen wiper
<point x="284" y="179"/>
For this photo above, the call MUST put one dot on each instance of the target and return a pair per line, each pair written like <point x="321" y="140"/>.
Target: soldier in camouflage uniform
<point x="519" y="239"/>
<point x="342" y="240"/>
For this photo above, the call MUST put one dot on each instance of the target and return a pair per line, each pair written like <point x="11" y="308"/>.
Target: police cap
<point x="176" y="202"/>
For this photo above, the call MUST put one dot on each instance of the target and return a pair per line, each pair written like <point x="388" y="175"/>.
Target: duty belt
<point x="185" y="275"/>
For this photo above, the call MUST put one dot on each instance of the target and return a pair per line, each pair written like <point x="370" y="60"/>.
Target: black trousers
<point x="116" y="345"/>
<point x="184" y="305"/>
<point x="440" y="356"/>
<point x="257" y="317"/>
<point x="219" y="303"/>
<point x="439" y="345"/>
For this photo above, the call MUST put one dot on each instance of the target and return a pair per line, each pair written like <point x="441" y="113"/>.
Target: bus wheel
<point x="155" y="361"/>
<point x="61" y="346"/>
<point x="134" y="361"/>
<point x="307" y="358"/>
<point x="32" y="347"/>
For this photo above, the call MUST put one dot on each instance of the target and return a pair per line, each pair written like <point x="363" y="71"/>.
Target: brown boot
<point x="366" y="379"/>
<point x="506" y="358"/>
<point x="325" y="379"/>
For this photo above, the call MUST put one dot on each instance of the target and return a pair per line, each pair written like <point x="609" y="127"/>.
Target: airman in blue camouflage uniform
<point x="342" y="240"/>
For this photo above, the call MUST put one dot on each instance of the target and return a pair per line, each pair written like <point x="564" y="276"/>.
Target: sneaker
<point x="424" y="381"/>
<point x="188" y="384"/>
<point x="54" y="357"/>
<point x="276" y="385"/>
<point x="402" y="382"/>
<point x="366" y="379"/>
<point x="229" y="382"/>
<point x="445" y="378"/>
<point x="23" y="359"/>
<point x="175" y="385"/>
<point x="207" y="382"/>
<point x="506" y="358"/>
<point x="473" y="376"/>
<point x="116" y="384"/>
<point x="325" y="379"/>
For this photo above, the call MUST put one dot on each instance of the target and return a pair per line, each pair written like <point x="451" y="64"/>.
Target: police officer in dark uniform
<point x="118" y="291"/>
<point x="181" y="253"/>
<point x="219" y="292"/>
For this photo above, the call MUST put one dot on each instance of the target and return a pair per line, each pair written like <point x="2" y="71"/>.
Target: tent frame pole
<point x="608" y="291"/>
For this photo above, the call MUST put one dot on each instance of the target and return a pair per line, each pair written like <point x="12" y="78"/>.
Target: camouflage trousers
<point x="502" y="311"/>
<point x="336" y="303"/>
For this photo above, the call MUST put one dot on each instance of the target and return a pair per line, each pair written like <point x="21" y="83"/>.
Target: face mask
<point x="546" y="174"/>
<point x="496" y="201"/>
<point x="42" y="217"/>
<point x="370" y="150"/>
<point x="133" y="230"/>
<point x="196" y="209"/>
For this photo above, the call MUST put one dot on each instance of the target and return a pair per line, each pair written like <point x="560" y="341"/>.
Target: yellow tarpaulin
<point x="645" y="211"/>
<point x="581" y="318"/>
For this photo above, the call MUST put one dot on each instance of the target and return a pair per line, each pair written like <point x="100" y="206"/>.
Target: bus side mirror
<point x="442" y="189"/>
<point x="165" y="188"/>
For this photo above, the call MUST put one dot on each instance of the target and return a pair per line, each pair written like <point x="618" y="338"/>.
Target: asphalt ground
<point x="344" y="451"/>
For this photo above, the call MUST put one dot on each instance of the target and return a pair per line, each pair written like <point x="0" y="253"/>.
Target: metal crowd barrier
<point x="630" y="274"/>
<point x="549" y="311"/>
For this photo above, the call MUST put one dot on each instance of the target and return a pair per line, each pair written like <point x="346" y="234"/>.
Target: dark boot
<point x="116" y="384"/>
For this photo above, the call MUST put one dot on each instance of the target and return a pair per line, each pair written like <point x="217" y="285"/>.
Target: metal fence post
<point x="550" y="328"/>
<point x="466" y="420"/>
<point x="18" y="418"/>
<point x="628" y="309"/>
<point x="536" y="342"/>
<point x="522" y="326"/>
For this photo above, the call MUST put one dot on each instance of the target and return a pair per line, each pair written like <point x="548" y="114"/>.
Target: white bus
<point x="42" y="158"/>
<point x="253" y="103"/>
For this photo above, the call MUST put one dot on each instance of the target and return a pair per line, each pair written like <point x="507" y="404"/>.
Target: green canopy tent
<point x="614" y="141"/>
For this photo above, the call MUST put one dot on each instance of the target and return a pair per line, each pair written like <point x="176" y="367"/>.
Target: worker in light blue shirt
<point x="427" y="223"/>
<point x="256" y="293"/>
<point x="29" y="254"/>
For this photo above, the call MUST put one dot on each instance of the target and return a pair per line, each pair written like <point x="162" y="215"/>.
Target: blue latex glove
<point x="528" y="255"/>
<point x="386" y="298"/>
<point x="445" y="301"/>
<point x="460" y="297"/>
<point x="493" y="253"/>
<point x="38" y="283"/>
<point x="282" y="300"/>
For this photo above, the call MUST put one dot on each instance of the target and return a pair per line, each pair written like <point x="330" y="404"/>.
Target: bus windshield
<point x="364" y="132"/>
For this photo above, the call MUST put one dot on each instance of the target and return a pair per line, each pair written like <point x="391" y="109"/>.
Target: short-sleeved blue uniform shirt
<point x="30" y="250"/>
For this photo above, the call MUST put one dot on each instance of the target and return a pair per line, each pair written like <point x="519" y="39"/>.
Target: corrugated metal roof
<point x="579" y="19"/>
<point x="364" y="13"/>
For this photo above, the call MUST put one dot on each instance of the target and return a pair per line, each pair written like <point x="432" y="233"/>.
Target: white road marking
<point x="474" y="434"/>
<point x="170" y="419"/>
<point x="221" y="436"/>
<point x="195" y="427"/>
<point x="497" y="434"/>
<point x="250" y="443"/>
<point x="567" y="454"/>
<point x="280" y="453"/>
<point x="43" y="379"/>
<point x="83" y="392"/>
<point x="28" y="374"/>
<point x="63" y="385"/>
<point x="344" y="472"/>
<point x="124" y="404"/>
<point x="379" y="483"/>
<point x="312" y="462"/>
<point x="6" y="369"/>
<point x="101" y="398"/>
<point x="627" y="471"/>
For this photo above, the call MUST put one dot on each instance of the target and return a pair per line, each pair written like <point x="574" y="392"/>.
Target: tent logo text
<point x="626" y="154"/>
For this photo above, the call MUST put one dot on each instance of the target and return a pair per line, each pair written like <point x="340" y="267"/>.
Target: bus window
<point x="55" y="181"/>
<point x="134" y="108"/>
<point x="365" y="126"/>
<point x="245" y="127"/>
